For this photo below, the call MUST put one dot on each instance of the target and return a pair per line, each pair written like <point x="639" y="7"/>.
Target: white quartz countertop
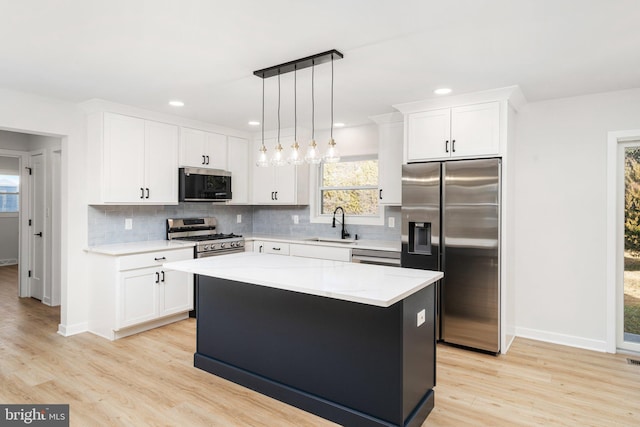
<point x="380" y="245"/>
<point x="117" y="249"/>
<point x="367" y="284"/>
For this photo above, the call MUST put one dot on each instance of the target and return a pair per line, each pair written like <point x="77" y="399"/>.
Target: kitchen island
<point x="352" y="343"/>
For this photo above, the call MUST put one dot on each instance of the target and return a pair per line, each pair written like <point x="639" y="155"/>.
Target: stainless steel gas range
<point x="202" y="230"/>
<point x="208" y="242"/>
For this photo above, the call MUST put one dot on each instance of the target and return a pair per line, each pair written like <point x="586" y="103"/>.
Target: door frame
<point x="616" y="141"/>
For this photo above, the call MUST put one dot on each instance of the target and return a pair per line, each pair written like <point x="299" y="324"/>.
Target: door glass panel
<point x="632" y="244"/>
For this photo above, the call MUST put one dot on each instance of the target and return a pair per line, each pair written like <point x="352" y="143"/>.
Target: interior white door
<point x="38" y="227"/>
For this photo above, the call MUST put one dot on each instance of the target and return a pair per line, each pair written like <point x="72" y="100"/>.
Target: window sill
<point x="9" y="214"/>
<point x="350" y="220"/>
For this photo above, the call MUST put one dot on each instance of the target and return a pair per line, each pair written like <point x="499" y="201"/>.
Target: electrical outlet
<point x="128" y="223"/>
<point x="392" y="222"/>
<point x="238" y="218"/>
<point x="422" y="317"/>
<point x="295" y="218"/>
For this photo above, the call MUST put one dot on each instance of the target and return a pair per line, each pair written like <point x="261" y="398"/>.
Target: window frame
<point x="16" y="213"/>
<point x="315" y="193"/>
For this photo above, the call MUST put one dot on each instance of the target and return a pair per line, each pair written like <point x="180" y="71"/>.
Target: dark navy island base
<point x="351" y="363"/>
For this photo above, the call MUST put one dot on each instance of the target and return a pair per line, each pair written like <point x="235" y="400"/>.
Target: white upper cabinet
<point x="390" y="138"/>
<point x="278" y="185"/>
<point x="200" y="149"/>
<point x="457" y="132"/>
<point x="239" y="167"/>
<point x="131" y="160"/>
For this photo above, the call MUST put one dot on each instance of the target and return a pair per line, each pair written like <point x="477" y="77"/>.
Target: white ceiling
<point x="144" y="53"/>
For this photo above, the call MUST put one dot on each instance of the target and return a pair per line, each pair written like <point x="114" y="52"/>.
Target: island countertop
<point x="361" y="283"/>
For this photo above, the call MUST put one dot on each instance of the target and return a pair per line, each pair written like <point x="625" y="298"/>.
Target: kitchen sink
<point x="329" y="240"/>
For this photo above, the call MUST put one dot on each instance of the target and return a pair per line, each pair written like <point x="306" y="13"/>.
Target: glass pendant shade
<point x="262" y="162"/>
<point x="278" y="158"/>
<point x="332" y="155"/>
<point x="295" y="157"/>
<point x="312" y="156"/>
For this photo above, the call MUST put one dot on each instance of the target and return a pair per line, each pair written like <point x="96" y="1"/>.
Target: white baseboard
<point x="569" y="340"/>
<point x="9" y="261"/>
<point x="68" y="330"/>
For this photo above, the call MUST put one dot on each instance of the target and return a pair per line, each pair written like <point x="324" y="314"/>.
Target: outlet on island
<point x="422" y="316"/>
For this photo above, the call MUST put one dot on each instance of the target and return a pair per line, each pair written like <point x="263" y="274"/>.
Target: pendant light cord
<point x="263" y="110"/>
<point x="295" y="106"/>
<point x="313" y="104"/>
<point x="331" y="131"/>
<point x="278" y="107"/>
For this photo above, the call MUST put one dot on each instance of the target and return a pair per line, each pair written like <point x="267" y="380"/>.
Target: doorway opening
<point x="631" y="275"/>
<point x="30" y="221"/>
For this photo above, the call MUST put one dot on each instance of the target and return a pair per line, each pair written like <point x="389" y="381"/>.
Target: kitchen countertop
<point x="367" y="284"/>
<point x="380" y="245"/>
<point x="117" y="249"/>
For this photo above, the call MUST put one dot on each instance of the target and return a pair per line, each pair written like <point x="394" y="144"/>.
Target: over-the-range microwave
<point x="203" y="185"/>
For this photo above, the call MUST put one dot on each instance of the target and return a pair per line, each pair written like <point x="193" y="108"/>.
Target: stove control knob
<point x="206" y="247"/>
<point x="232" y="244"/>
<point x="222" y="245"/>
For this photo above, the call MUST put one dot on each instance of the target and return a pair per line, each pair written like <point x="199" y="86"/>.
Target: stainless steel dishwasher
<point x="376" y="257"/>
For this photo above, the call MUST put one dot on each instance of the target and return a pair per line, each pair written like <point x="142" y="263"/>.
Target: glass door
<point x="629" y="301"/>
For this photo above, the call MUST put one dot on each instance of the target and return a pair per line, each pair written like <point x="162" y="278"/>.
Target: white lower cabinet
<point x="133" y="293"/>
<point x="267" y="247"/>
<point x="306" y="251"/>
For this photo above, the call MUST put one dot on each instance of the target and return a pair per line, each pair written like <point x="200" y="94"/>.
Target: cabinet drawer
<point x="276" y="248"/>
<point x="321" y="252"/>
<point x="153" y="259"/>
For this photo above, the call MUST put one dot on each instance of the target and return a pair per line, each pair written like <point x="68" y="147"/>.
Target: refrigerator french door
<point x="451" y="223"/>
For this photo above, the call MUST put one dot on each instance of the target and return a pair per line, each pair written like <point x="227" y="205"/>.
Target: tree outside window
<point x="352" y="184"/>
<point x="9" y="193"/>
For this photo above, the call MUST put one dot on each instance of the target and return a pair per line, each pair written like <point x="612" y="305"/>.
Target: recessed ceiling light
<point x="176" y="103"/>
<point x="338" y="125"/>
<point x="254" y="123"/>
<point x="442" y="91"/>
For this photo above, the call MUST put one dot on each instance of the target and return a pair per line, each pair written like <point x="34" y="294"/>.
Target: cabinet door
<point x="285" y="184"/>
<point x="390" y="164"/>
<point x="428" y="135"/>
<point x="138" y="296"/>
<point x="161" y="167"/>
<point x="476" y="130"/>
<point x="216" y="151"/>
<point x="238" y="156"/>
<point x="176" y="292"/>
<point x="258" y="246"/>
<point x="192" y="147"/>
<point x="263" y="179"/>
<point x="124" y="158"/>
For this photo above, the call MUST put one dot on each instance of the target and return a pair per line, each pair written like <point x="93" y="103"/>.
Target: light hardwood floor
<point x="149" y="379"/>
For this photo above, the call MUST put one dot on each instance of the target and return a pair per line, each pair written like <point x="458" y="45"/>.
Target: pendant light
<point x="294" y="157"/>
<point x="312" y="155"/>
<point x="262" y="158"/>
<point x="278" y="156"/>
<point x="332" y="155"/>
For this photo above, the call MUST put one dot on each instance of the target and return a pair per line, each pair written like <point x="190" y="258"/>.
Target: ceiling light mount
<point x="299" y="64"/>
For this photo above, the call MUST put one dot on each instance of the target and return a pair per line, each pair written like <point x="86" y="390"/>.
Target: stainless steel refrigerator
<point x="451" y="223"/>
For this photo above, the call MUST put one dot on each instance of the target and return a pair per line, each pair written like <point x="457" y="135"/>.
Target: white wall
<point x="27" y="113"/>
<point x="560" y="169"/>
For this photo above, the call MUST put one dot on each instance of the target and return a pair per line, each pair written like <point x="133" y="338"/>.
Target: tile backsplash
<point x="106" y="223"/>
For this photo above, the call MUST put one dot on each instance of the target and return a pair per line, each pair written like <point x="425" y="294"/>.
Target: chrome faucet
<point x="343" y="233"/>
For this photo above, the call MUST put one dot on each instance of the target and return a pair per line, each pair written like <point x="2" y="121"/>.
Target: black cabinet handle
<point x="380" y="195"/>
<point x="260" y="249"/>
<point x="446" y="146"/>
<point x="276" y="195"/>
<point x="276" y="249"/>
<point x="162" y="276"/>
<point x="141" y="193"/>
<point x="203" y="159"/>
<point x="207" y="159"/>
<point x="147" y="193"/>
<point x="160" y="258"/>
<point x="157" y="277"/>
<point x="272" y="193"/>
<point x="453" y="146"/>
<point x="38" y="234"/>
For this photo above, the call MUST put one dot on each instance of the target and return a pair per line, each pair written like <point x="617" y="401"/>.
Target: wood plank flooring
<point x="149" y="379"/>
